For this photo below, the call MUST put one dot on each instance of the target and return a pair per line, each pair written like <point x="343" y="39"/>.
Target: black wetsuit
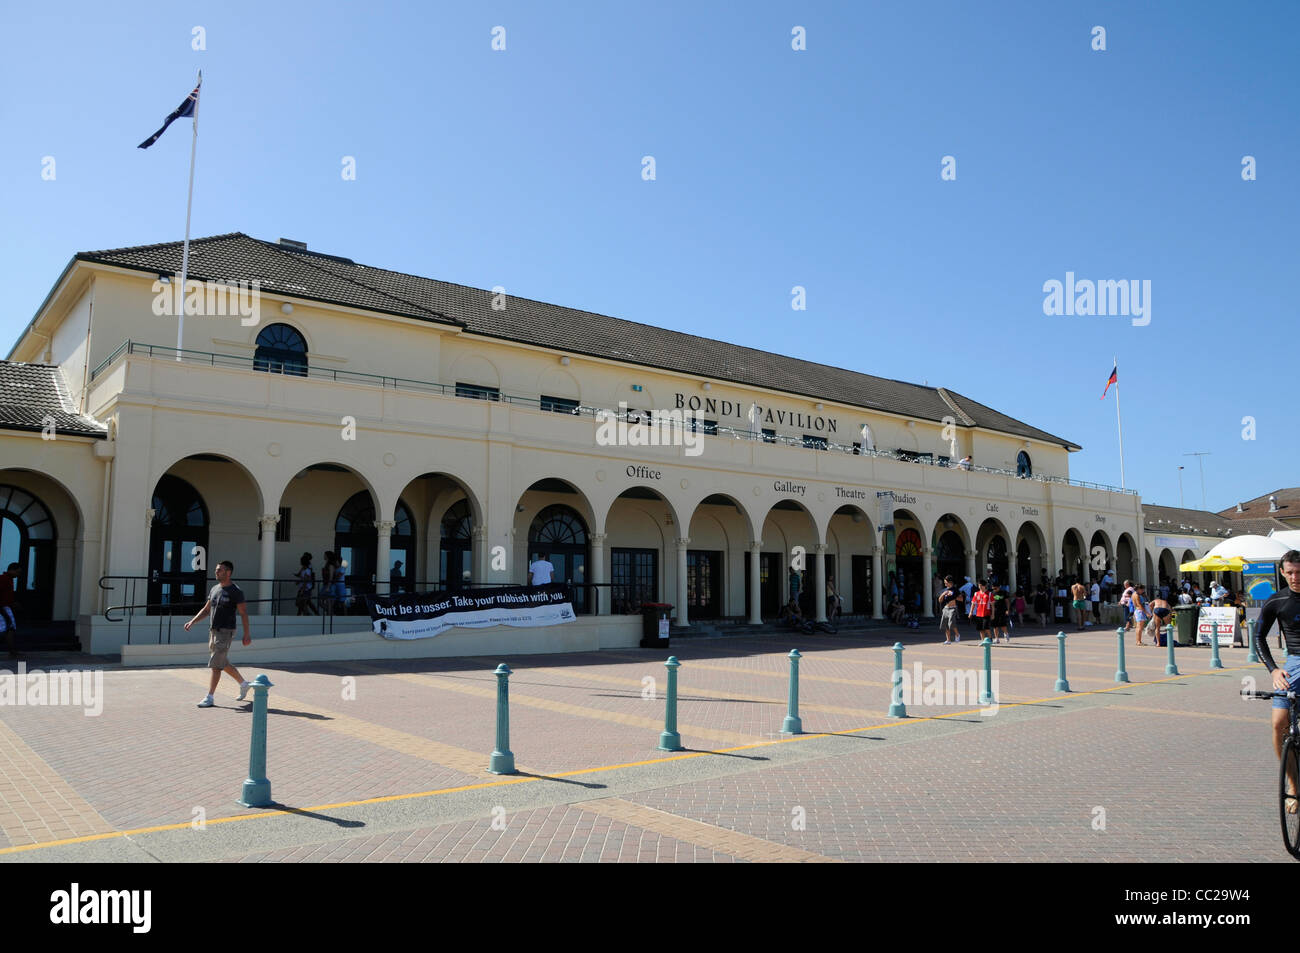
<point x="1285" y="608"/>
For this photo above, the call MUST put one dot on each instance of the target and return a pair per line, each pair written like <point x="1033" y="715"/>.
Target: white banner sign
<point x="424" y="616"/>
<point x="1221" y="620"/>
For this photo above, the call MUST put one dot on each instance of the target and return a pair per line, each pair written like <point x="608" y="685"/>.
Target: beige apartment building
<point x="317" y="404"/>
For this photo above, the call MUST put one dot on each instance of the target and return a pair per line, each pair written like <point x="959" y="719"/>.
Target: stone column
<point x="970" y="566"/>
<point x="877" y="610"/>
<point x="819" y="580"/>
<point x="604" y="595"/>
<point x="682" y="616"/>
<point x="384" y="554"/>
<point x="755" y="581"/>
<point x="927" y="576"/>
<point x="1011" y="576"/>
<point x="480" y="558"/>
<point x="266" y="588"/>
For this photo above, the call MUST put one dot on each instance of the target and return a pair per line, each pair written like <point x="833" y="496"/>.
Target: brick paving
<point x="1166" y="768"/>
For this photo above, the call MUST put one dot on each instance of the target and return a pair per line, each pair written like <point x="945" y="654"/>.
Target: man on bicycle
<point x="1284" y="607"/>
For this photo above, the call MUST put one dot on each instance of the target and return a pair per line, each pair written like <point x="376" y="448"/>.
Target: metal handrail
<point x="215" y="359"/>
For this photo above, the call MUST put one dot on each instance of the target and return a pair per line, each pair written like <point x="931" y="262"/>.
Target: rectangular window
<point x="814" y="443"/>
<point x="477" y="391"/>
<point x="634" y="578"/>
<point x="769" y="436"/>
<point x="559" y="405"/>
<point x="709" y="427"/>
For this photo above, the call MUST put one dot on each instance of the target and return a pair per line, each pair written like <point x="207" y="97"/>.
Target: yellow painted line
<point x="611" y="767"/>
<point x="700" y="834"/>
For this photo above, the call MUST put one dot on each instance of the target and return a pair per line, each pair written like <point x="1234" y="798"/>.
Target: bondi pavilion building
<point x="318" y="404"/>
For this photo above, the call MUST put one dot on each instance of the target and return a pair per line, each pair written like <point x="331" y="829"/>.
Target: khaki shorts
<point x="219" y="645"/>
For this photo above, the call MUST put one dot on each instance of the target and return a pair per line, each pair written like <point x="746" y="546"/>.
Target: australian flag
<point x="180" y="112"/>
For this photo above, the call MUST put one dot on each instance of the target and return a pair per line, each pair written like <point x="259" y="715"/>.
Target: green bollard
<point x="1253" y="657"/>
<point x="1121" y="673"/>
<point x="1170" y="667"/>
<point x="503" y="759"/>
<point x="793" y="724"/>
<point x="1215" y="661"/>
<point x="257" y="788"/>
<point x="1061" y="684"/>
<point x="896" y="707"/>
<point x="986" y="693"/>
<point x="669" y="739"/>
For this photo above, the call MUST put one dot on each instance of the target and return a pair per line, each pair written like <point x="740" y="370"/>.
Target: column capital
<point x="384" y="527"/>
<point x="597" y="539"/>
<point x="755" y="545"/>
<point x="149" y="514"/>
<point x="683" y="542"/>
<point x="926" y="552"/>
<point x="269" y="520"/>
<point x="877" y="551"/>
<point x="820" y="548"/>
<point x="480" y="532"/>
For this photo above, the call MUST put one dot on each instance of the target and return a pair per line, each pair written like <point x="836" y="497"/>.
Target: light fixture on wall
<point x="164" y="279"/>
<point x="817" y="406"/>
<point x="708" y="386"/>
<point x="565" y="360"/>
<point x="286" y="308"/>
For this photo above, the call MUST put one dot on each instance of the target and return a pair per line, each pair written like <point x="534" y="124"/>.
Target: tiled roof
<point x="1174" y="520"/>
<point x="29" y="393"/>
<point x="286" y="270"/>
<point x="1288" y="507"/>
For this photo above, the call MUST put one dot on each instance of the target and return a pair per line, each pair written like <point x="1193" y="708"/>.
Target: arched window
<point x="559" y="534"/>
<point x="1023" y="467"/>
<point x="27" y="537"/>
<point x="456" y="546"/>
<point x="281" y="350"/>
<point x="909" y="543"/>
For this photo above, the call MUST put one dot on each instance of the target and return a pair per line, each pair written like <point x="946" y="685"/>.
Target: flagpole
<point x="189" y="204"/>
<point x="1119" y="423"/>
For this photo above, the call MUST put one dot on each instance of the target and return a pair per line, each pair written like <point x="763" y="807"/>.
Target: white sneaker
<point x="206" y="703"/>
<point x="244" y="686"/>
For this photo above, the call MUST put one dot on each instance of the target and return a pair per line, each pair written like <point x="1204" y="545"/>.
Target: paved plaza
<point x="375" y="761"/>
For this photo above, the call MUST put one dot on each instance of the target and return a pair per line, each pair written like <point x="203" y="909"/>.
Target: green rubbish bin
<point x="1185" y="618"/>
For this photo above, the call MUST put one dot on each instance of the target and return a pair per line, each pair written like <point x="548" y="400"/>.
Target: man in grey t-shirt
<point x="224" y="601"/>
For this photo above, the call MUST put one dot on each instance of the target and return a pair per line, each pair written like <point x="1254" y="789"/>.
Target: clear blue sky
<point x="775" y="168"/>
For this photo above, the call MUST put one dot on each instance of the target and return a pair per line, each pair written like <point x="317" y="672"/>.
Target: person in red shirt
<point x="981" y="606"/>
<point x="7" y="599"/>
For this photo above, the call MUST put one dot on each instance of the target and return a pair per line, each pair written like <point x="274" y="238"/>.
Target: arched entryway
<point x="456" y="546"/>
<point x="29" y="538"/>
<point x="949" y="549"/>
<point x="178" y="547"/>
<point x="356" y="543"/>
<point x="559" y="534"/>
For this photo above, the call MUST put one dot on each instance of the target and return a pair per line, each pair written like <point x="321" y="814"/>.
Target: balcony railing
<point x="213" y="359"/>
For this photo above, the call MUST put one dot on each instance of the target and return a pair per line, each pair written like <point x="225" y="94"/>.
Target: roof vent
<point x="291" y="243"/>
<point x="1272" y="504"/>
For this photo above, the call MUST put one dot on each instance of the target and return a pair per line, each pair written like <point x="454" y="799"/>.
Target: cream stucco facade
<point x="379" y="414"/>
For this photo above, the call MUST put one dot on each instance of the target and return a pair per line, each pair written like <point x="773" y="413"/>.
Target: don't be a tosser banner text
<point x="424" y="616"/>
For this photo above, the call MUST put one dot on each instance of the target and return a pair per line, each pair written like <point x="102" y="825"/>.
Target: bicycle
<point x="1289" y="802"/>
